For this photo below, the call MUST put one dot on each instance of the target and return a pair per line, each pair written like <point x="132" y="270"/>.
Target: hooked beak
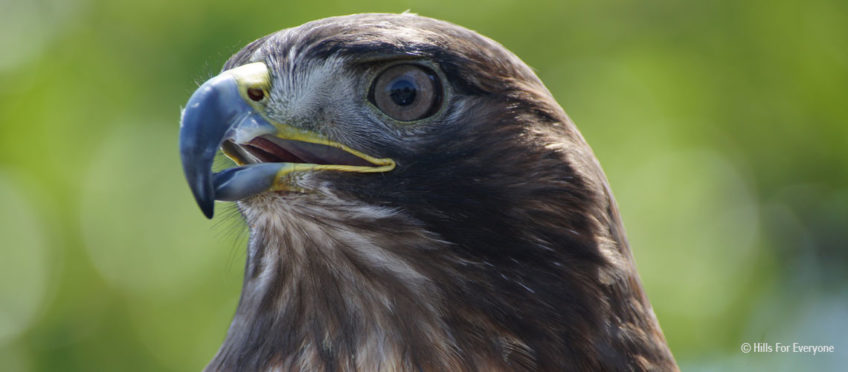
<point x="226" y="112"/>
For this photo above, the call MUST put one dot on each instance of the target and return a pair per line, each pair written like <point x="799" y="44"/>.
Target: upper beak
<point x="221" y="110"/>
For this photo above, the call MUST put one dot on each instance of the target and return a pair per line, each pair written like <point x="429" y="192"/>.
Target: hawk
<point x="417" y="201"/>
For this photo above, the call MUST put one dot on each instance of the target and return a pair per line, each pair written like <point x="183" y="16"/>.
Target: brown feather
<point x="496" y="244"/>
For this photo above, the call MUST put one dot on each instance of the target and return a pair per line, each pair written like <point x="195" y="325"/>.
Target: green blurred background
<point x="722" y="126"/>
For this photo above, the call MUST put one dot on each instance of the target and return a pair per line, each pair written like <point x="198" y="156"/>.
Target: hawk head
<point x="417" y="200"/>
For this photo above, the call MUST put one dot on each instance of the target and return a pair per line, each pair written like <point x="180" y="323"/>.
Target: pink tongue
<point x="272" y="152"/>
<point x="321" y="154"/>
<point x="287" y="151"/>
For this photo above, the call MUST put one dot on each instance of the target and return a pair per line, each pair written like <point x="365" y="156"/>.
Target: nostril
<point x="255" y="94"/>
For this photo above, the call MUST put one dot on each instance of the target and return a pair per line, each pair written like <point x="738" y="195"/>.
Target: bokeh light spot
<point x="23" y="260"/>
<point x="27" y="27"/>
<point x="139" y="222"/>
<point x="693" y="225"/>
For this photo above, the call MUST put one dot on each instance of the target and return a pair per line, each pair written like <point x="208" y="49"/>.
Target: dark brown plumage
<point x="495" y="243"/>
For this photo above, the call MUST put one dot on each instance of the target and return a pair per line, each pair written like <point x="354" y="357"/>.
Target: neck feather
<point x="324" y="291"/>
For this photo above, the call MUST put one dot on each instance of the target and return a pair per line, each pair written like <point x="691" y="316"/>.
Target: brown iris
<point x="407" y="92"/>
<point x="255" y="94"/>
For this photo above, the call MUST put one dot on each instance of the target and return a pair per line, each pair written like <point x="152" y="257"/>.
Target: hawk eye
<point x="255" y="94"/>
<point x="407" y="92"/>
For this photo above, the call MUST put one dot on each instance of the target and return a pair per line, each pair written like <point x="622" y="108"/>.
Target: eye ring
<point x="407" y="92"/>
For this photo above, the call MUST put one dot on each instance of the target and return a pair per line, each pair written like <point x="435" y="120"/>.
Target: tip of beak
<point x="199" y="180"/>
<point x="207" y="206"/>
<point x="208" y="210"/>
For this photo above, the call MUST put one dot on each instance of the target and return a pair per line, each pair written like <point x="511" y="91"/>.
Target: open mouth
<point x="265" y="163"/>
<point x="329" y="156"/>
<point x="269" y="149"/>
<point x="222" y="114"/>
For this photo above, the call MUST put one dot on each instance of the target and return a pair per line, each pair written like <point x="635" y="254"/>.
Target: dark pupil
<point x="403" y="92"/>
